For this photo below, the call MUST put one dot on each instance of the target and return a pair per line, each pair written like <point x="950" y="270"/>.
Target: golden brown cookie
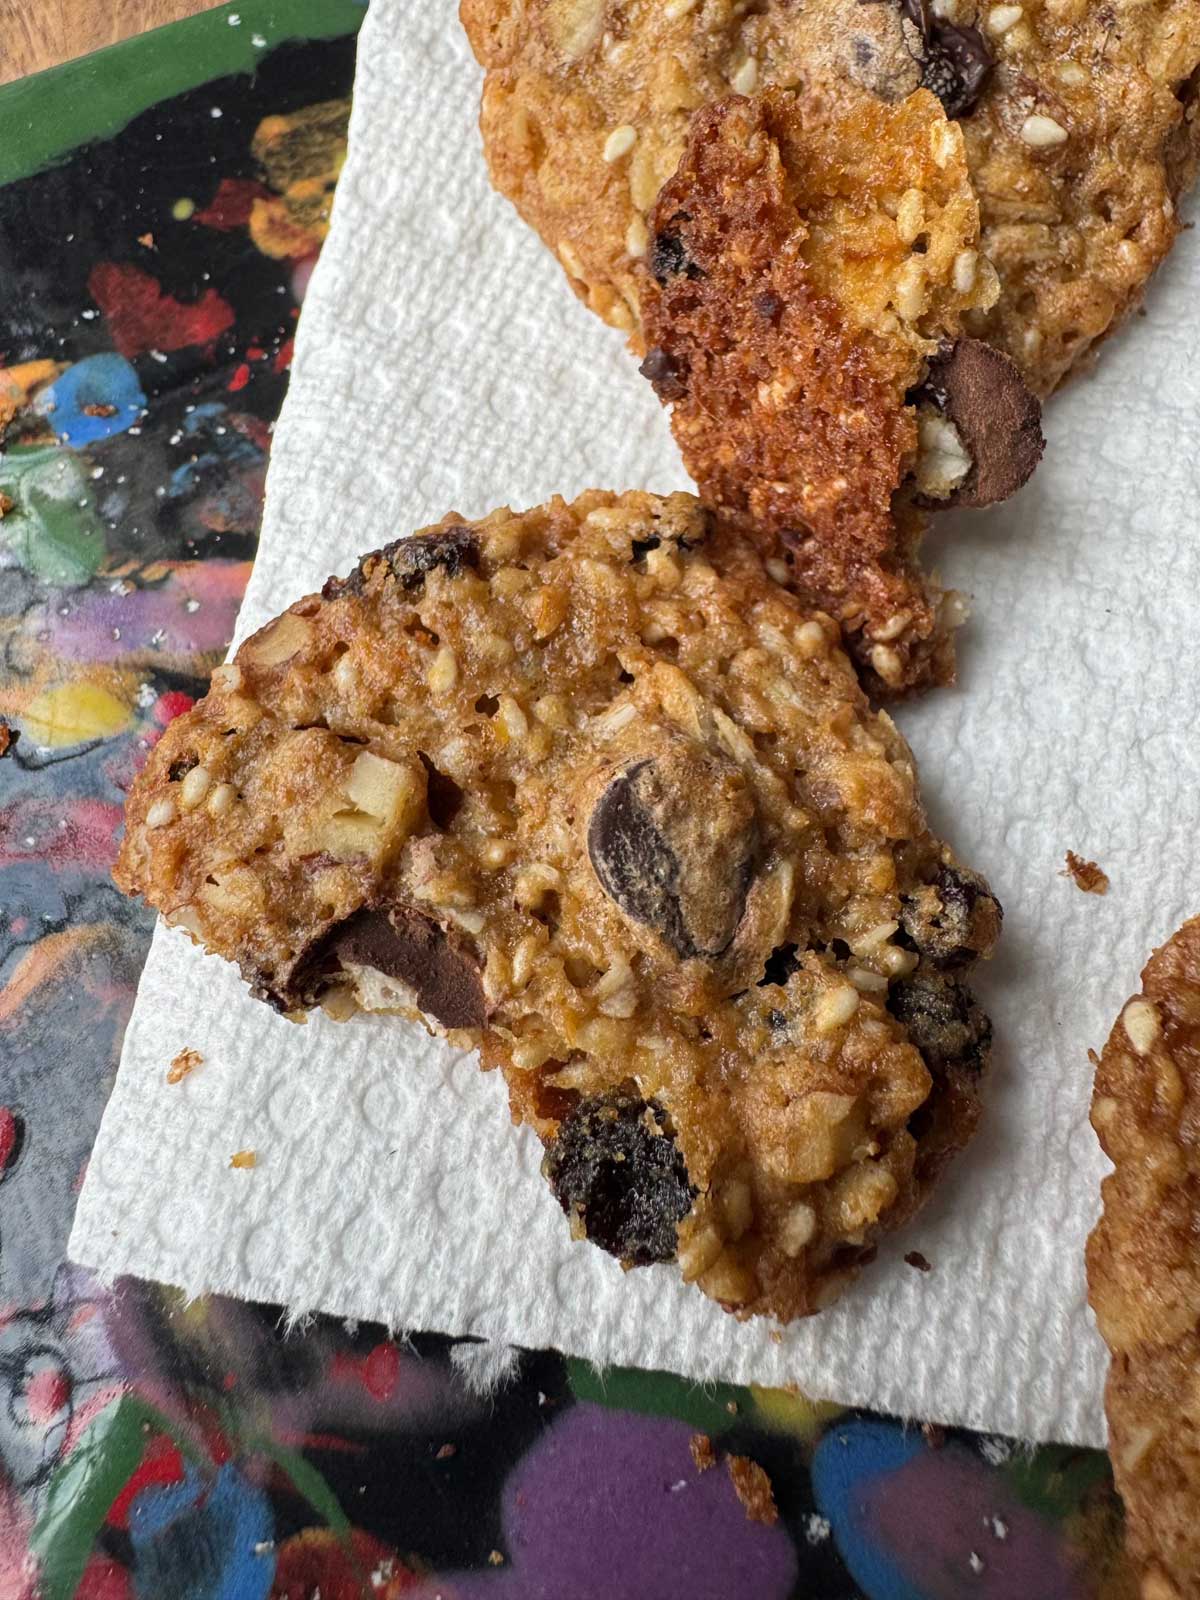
<point x="1144" y="1266"/>
<point x="586" y="787"/>
<point x="810" y="264"/>
<point x="1078" y="118"/>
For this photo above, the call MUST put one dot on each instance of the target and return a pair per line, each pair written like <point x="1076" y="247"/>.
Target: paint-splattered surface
<point x="152" y="282"/>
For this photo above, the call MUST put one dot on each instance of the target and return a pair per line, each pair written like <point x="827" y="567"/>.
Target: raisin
<point x="669" y="257"/>
<point x="666" y="374"/>
<point x="409" y="560"/>
<point x="951" y="921"/>
<point x="615" y="1169"/>
<point x="944" y="1022"/>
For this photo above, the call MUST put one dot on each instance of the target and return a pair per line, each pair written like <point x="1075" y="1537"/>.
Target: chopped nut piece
<point x="1090" y="877"/>
<point x="244" y="1158"/>
<point x="914" y="1258"/>
<point x="445" y="1451"/>
<point x="753" y="1488"/>
<point x="703" y="1454"/>
<point x="186" y="1061"/>
<point x="6" y="505"/>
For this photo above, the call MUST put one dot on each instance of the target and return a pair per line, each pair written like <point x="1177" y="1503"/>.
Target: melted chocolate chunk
<point x="673" y="841"/>
<point x="998" y="419"/>
<point x="450" y="549"/>
<point x="951" y="921"/>
<point x="669" y="257"/>
<point x="666" y="374"/>
<point x="615" y="1169"/>
<point x="944" y="1021"/>
<point x="407" y="945"/>
<point x="956" y="61"/>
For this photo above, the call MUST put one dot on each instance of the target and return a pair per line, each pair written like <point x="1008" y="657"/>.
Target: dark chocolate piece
<point x="944" y="1021"/>
<point x="672" y="841"/>
<point x="404" y="944"/>
<point x="998" y="420"/>
<point x="615" y="1169"/>
<point x="665" y="373"/>
<point x="450" y="549"/>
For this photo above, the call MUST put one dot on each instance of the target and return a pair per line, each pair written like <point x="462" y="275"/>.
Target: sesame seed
<point x="835" y="1008"/>
<point x="620" y="142"/>
<point x="637" y="237"/>
<point x="1001" y="18"/>
<point x="443" y="674"/>
<point x="887" y="664"/>
<point x="1142" y="1025"/>
<point x="745" y="79"/>
<point x="161" y="813"/>
<point x="1043" y="132"/>
<point x="965" y="263"/>
<point x="674" y="9"/>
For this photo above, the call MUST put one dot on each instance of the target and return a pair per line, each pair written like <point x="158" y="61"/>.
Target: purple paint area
<point x="191" y="613"/>
<point x="610" y="1506"/>
<point x="955" y="1529"/>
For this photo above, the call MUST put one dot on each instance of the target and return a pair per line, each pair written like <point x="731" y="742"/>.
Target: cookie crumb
<point x="753" y="1489"/>
<point x="1089" y="876"/>
<point x="6" y="504"/>
<point x="702" y="1450"/>
<point x="445" y="1451"/>
<point x="933" y="1434"/>
<point x="8" y="734"/>
<point x="146" y="240"/>
<point x="732" y="1407"/>
<point x="495" y="1559"/>
<point x="914" y="1258"/>
<point x="186" y="1061"/>
<point x="244" y="1158"/>
<point x="100" y="409"/>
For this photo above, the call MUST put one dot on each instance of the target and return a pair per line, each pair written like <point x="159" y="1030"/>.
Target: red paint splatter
<point x="378" y="1371"/>
<point x="46" y="1393"/>
<point x="161" y="1464"/>
<point x="81" y="834"/>
<point x="12" y="1129"/>
<point x="142" y="317"/>
<point x="104" y="1579"/>
<point x="255" y="352"/>
<point x="171" y="704"/>
<point x="283" y="356"/>
<point x="232" y="204"/>
<point x="228" y="1381"/>
<point x="240" y="379"/>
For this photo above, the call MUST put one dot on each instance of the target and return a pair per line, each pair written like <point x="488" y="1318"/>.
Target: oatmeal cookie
<point x="1078" y="118"/>
<point x="586" y="787"/>
<point x="1143" y="1270"/>
<point x="814" y="362"/>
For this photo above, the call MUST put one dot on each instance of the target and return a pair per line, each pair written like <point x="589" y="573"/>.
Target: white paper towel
<point x="442" y="363"/>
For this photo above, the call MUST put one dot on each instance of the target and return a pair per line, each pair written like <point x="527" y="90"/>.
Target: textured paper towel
<point x="442" y="363"/>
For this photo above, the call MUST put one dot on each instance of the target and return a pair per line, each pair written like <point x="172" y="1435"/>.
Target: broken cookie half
<point x="810" y="266"/>
<point x="586" y="787"/>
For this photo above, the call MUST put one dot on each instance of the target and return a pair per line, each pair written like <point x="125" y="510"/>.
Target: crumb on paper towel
<point x="8" y="734"/>
<point x="445" y="1451"/>
<point x="914" y="1258"/>
<point x="186" y="1061"/>
<point x="1088" y="875"/>
<point x="495" y="1558"/>
<point x="753" y="1489"/>
<point x="702" y="1450"/>
<point x="244" y="1158"/>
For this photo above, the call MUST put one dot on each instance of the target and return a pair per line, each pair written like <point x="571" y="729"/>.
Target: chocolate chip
<point x="404" y="944"/>
<point x="952" y="920"/>
<point x="615" y="1169"/>
<point x="669" y="257"/>
<point x="673" y="840"/>
<point x="408" y="560"/>
<point x="956" y="61"/>
<point x="666" y="374"/>
<point x="998" y="419"/>
<point x="944" y="1021"/>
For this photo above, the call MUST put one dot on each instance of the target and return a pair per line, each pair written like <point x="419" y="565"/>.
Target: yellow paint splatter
<point x="73" y="713"/>
<point x="183" y="209"/>
<point x="789" y="1411"/>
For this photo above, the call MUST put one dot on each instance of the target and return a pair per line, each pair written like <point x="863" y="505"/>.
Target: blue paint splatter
<point x="846" y="1460"/>
<point x="196" y="1540"/>
<point x="103" y="381"/>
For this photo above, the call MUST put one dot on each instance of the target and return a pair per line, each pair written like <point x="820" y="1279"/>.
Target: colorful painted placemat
<point x="161" y="207"/>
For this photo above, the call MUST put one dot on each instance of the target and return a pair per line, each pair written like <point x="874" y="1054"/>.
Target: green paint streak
<point x="53" y="529"/>
<point x="661" y="1394"/>
<point x="83" y="1488"/>
<point x="306" y="1481"/>
<point x="1056" y="1478"/>
<point x="45" y="117"/>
